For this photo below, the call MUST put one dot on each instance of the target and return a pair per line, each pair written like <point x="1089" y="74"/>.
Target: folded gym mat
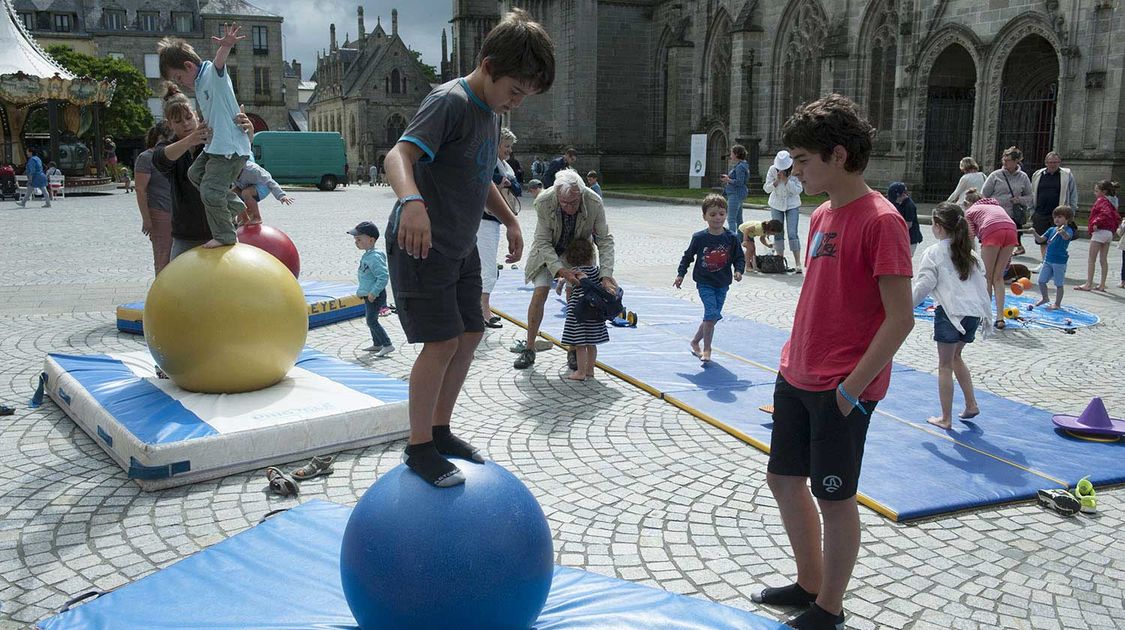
<point x="163" y="436"/>
<point x="1065" y="318"/>
<point x="285" y="573"/>
<point x="328" y="303"/>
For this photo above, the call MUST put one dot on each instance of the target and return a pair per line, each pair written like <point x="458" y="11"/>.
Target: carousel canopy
<point x="29" y="75"/>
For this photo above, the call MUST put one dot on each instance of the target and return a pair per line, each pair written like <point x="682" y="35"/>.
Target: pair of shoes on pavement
<point x="285" y="483"/>
<point x="1082" y="499"/>
<point x="525" y="360"/>
<point x="380" y="351"/>
<point x="813" y="618"/>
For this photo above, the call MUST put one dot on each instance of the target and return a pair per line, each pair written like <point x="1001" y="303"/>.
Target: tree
<point x="128" y="115"/>
<point x="427" y="69"/>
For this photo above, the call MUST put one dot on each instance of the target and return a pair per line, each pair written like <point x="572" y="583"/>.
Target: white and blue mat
<point x="163" y="436"/>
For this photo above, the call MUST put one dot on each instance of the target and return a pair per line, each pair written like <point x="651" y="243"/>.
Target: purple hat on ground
<point x="1095" y="419"/>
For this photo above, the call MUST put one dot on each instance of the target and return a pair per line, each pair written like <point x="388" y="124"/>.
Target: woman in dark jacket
<point x="900" y="197"/>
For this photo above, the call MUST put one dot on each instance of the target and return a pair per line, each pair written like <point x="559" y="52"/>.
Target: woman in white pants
<point x="488" y="234"/>
<point x="785" y="204"/>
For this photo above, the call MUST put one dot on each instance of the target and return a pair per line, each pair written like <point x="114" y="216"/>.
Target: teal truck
<point x="301" y="157"/>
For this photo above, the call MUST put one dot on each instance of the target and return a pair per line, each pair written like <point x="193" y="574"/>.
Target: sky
<point x="305" y="29"/>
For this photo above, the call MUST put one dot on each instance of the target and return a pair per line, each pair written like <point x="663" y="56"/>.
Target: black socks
<point x="425" y="460"/>
<point x="792" y="595"/>
<point x="453" y="446"/>
<point x="816" y="618"/>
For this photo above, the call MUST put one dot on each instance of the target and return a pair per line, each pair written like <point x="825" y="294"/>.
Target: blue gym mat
<point x="911" y="469"/>
<point x="1064" y="318"/>
<point x="328" y="303"/>
<point x="285" y="573"/>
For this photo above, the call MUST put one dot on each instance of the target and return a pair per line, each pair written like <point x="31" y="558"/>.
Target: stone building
<point x="367" y="89"/>
<point x="130" y="29"/>
<point x="940" y="80"/>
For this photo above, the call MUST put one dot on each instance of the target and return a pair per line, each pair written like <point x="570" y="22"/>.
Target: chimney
<point x="297" y="69"/>
<point x="362" y="29"/>
<point x="332" y="31"/>
<point x="444" y="47"/>
<point x="394" y="22"/>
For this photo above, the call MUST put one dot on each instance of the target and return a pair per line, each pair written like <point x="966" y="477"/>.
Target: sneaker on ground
<point x="384" y="351"/>
<point x="525" y="360"/>
<point x="521" y="345"/>
<point x="816" y="618"/>
<point x="371" y="348"/>
<point x="1058" y="500"/>
<point x="1087" y="498"/>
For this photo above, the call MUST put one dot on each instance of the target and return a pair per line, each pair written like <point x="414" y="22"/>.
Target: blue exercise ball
<point x="477" y="555"/>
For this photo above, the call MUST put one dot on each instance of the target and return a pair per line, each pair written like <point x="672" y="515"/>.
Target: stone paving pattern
<point x="632" y="486"/>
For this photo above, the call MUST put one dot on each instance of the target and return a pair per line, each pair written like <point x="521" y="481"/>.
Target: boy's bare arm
<point x="229" y="40"/>
<point x="895" y="292"/>
<point x="414" y="221"/>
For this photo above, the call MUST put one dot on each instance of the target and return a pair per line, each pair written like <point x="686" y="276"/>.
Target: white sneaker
<point x="384" y="351"/>
<point x="372" y="348"/>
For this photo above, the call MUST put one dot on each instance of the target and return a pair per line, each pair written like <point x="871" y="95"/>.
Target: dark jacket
<point x="553" y="169"/>
<point x="189" y="218"/>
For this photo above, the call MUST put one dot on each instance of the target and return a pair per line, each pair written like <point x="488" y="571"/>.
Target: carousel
<point x="31" y="81"/>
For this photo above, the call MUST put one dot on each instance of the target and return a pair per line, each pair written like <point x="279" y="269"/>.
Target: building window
<point x="114" y="55"/>
<point x="183" y="22"/>
<point x="62" y="23"/>
<point x="396" y="82"/>
<point x="150" y="22"/>
<point x="28" y="19"/>
<point x="396" y="124"/>
<point x="114" y="20"/>
<point x="260" y="40"/>
<point x="261" y="81"/>
<point x="156" y="108"/>
<point x="152" y="66"/>
<point x="232" y="71"/>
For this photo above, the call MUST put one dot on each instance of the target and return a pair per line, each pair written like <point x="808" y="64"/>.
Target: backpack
<point x="771" y="263"/>
<point x="597" y="304"/>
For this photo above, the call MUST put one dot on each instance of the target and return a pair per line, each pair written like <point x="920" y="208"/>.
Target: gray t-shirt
<point x="159" y="191"/>
<point x="458" y="135"/>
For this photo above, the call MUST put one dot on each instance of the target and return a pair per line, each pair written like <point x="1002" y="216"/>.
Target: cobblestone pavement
<point x="632" y="486"/>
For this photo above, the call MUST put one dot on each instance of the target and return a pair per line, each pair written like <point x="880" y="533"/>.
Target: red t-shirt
<point x="840" y="307"/>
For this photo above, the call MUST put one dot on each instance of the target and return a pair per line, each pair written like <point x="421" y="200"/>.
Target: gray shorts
<point x="438" y="298"/>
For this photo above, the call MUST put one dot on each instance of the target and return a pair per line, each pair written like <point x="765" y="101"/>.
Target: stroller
<point x="8" y="187"/>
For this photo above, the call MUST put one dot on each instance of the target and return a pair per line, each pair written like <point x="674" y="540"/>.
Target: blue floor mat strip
<point x="911" y="469"/>
<point x="234" y="584"/>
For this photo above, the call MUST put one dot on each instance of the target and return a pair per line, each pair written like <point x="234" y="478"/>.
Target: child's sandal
<point x="317" y="466"/>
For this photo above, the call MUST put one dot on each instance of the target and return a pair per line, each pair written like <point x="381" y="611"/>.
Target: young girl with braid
<point x="952" y="273"/>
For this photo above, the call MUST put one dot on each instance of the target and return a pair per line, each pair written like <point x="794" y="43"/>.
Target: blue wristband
<point x="852" y="399"/>
<point x="402" y="201"/>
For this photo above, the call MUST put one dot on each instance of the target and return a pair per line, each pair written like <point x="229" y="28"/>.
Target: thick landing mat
<point x="329" y="302"/>
<point x="911" y="468"/>
<point x="163" y="436"/>
<point x="262" y="579"/>
<point x="1065" y="318"/>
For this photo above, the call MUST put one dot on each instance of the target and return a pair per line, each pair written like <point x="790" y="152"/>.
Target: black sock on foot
<point x="792" y="595"/>
<point x="453" y="446"/>
<point x="816" y="618"/>
<point x="425" y="460"/>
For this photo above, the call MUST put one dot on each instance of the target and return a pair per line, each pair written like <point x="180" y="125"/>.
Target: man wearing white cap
<point x="785" y="204"/>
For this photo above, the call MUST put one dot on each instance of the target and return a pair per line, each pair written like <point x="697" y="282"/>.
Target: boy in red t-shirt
<point x="853" y="314"/>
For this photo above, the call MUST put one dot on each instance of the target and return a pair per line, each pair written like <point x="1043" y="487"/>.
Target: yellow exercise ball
<point x="225" y="320"/>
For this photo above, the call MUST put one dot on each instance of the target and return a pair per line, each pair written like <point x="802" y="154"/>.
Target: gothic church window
<point x="800" y="47"/>
<point x="396" y="82"/>
<point x="718" y="68"/>
<point x="881" y="77"/>
<point x="396" y="124"/>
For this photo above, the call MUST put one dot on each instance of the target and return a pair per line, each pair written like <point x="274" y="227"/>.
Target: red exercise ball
<point x="273" y="241"/>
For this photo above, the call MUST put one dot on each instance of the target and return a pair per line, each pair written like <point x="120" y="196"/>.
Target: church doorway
<point x="1028" y="101"/>
<point x="717" y="152"/>
<point x="258" y="122"/>
<point x="949" y="121"/>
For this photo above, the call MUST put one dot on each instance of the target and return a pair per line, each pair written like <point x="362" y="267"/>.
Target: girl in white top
<point x="951" y="271"/>
<point x="785" y="204"/>
<point x="972" y="178"/>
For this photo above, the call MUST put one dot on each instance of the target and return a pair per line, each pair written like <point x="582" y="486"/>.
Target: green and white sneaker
<point x="541" y="345"/>
<point x="1084" y="492"/>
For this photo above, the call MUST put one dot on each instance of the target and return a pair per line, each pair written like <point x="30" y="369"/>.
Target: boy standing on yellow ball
<point x="441" y="171"/>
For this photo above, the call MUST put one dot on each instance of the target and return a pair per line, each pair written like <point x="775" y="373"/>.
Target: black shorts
<point x="437" y="297"/>
<point x="812" y="439"/>
<point x="1042" y="222"/>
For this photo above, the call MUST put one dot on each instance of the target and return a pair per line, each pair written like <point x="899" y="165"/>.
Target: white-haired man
<point x="567" y="210"/>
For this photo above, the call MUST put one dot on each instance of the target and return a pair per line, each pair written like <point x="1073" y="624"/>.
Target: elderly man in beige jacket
<point x="566" y="211"/>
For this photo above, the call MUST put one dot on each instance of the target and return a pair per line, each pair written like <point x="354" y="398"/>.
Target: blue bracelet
<point x="852" y="399"/>
<point x="408" y="198"/>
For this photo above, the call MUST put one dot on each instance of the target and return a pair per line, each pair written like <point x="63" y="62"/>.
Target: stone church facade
<point x="367" y="89"/>
<point x="939" y="80"/>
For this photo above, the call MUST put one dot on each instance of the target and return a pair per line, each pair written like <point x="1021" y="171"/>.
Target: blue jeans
<point x="734" y="212"/>
<point x="791" y="218"/>
<point x="713" y="299"/>
<point x="378" y="336"/>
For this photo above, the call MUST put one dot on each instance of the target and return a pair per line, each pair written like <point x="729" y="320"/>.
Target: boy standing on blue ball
<point x="441" y="171"/>
<point x="373" y="276"/>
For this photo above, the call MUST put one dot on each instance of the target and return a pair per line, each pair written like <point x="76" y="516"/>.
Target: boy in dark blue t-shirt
<point x="718" y="258"/>
<point x="1058" y="240"/>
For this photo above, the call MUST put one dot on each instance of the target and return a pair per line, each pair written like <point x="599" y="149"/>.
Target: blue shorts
<point x="713" y="299"/>
<point x="1052" y="271"/>
<point x="944" y="332"/>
